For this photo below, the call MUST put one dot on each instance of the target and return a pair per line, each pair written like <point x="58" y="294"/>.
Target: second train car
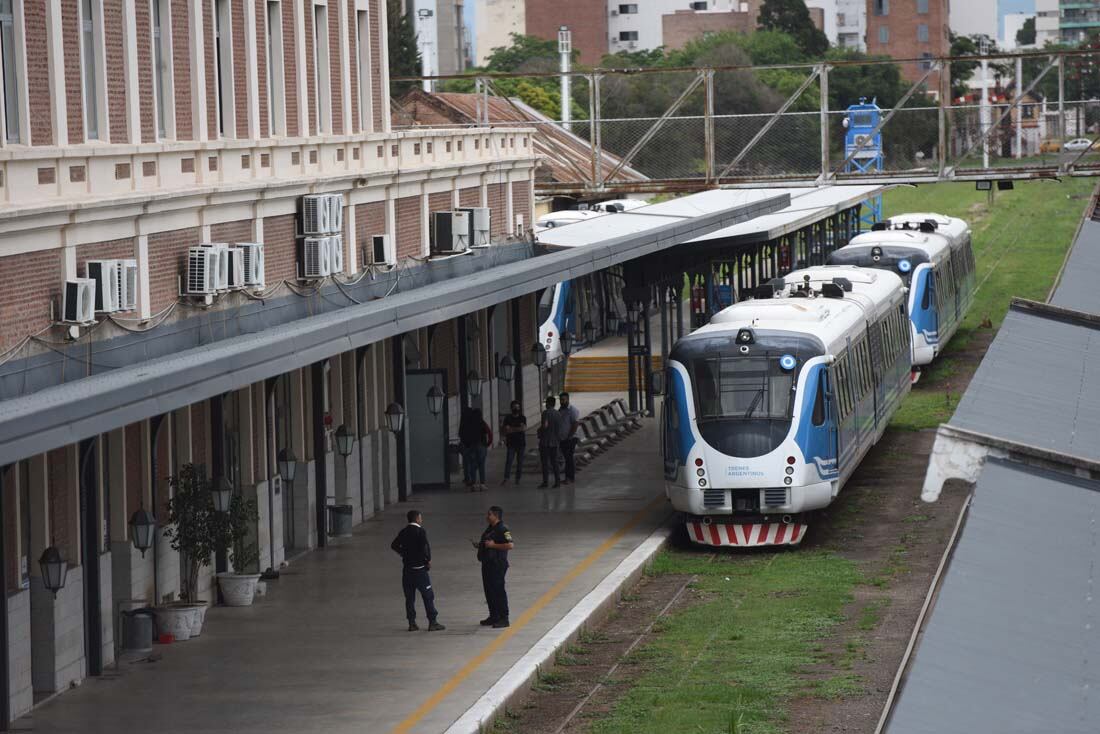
<point x="771" y="406"/>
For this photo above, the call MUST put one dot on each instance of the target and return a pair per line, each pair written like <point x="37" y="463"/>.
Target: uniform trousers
<point x="492" y="579"/>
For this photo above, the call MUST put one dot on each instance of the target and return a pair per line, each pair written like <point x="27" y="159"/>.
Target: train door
<point x="820" y="442"/>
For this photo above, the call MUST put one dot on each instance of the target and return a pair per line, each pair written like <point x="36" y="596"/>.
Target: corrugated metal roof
<point x="1014" y="643"/>
<point x="808" y="205"/>
<point x="1079" y="287"/>
<point x="1039" y="385"/>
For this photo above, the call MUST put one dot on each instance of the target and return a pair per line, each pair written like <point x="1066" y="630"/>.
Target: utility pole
<point x="1019" y="107"/>
<point x="983" y="115"/>
<point x="565" y="50"/>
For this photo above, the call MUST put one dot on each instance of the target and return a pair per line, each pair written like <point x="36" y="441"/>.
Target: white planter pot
<point x="176" y="620"/>
<point x="238" y="589"/>
<point x="198" y="617"/>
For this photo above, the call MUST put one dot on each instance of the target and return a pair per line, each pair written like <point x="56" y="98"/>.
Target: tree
<point x="793" y="17"/>
<point x="404" y="55"/>
<point x="1026" y="35"/>
<point x="961" y="71"/>
<point x="527" y="53"/>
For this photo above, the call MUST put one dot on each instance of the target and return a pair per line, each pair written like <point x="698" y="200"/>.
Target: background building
<point x="975" y="17"/>
<point x="851" y="24"/>
<point x="440" y="35"/>
<point x="1065" y="21"/>
<point x="587" y="19"/>
<point x="496" y="21"/>
<point x="909" y="29"/>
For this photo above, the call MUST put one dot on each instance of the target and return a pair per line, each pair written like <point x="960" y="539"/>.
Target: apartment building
<point x="1065" y="21"/>
<point x="204" y="199"/>
<point x="915" y="31"/>
<point x="496" y="21"/>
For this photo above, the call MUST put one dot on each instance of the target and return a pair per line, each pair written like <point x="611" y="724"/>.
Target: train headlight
<point x="790" y="470"/>
<point x="788" y="362"/>
<point x="698" y="462"/>
<point x="786" y="480"/>
<point x="700" y="472"/>
<point x="790" y="459"/>
<point x="905" y="266"/>
<point x="702" y="482"/>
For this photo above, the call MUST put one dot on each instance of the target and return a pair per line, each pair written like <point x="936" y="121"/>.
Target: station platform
<point x="326" y="650"/>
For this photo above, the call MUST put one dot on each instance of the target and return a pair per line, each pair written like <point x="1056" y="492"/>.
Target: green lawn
<point x="1019" y="245"/>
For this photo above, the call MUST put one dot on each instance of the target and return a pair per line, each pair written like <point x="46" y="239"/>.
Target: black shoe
<point x="543" y="486"/>
<point x="500" y="624"/>
<point x="413" y="627"/>
<point x="488" y="621"/>
<point x="503" y="481"/>
<point x="436" y="627"/>
<point x="556" y="485"/>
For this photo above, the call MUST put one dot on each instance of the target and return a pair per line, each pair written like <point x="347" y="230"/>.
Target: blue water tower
<point x="859" y="126"/>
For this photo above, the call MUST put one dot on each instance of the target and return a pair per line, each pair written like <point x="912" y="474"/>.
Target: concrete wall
<point x="20" y="690"/>
<point x="57" y="633"/>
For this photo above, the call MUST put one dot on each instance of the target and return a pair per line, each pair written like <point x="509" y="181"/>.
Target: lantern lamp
<point x="435" y="400"/>
<point x="343" y="441"/>
<point x="567" y="343"/>
<point x="538" y="355"/>
<point x="613" y="322"/>
<point x="589" y="331"/>
<point x="473" y="383"/>
<point x="223" y="494"/>
<point x="395" y="417"/>
<point x="54" y="569"/>
<point x="633" y="310"/>
<point x="288" y="464"/>
<point x="507" y="369"/>
<point x="142" y="529"/>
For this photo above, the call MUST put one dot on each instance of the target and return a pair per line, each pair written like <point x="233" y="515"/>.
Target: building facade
<point x="910" y="30"/>
<point x="440" y="35"/>
<point x="851" y="24"/>
<point x="975" y="17"/>
<point x="131" y="133"/>
<point x="496" y="21"/>
<point x="1066" y="21"/>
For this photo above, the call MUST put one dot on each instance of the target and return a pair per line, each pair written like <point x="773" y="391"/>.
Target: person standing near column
<point x="549" y="440"/>
<point x="492" y="551"/>
<point x="570" y="419"/>
<point x="416" y="557"/>
<point x="514" y="430"/>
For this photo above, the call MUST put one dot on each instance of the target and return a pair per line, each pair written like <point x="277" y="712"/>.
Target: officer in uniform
<point x="492" y="551"/>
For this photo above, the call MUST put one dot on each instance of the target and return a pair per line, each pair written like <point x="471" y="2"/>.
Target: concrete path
<point x="327" y="650"/>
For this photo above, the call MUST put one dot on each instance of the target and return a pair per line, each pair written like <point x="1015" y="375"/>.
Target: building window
<point x="629" y="8"/>
<point x="926" y="62"/>
<point x="276" y="87"/>
<point x="883" y="34"/>
<point x="11" y="81"/>
<point x="922" y="32"/>
<point x="223" y="59"/>
<point x="162" y="75"/>
<point x="362" y="44"/>
<point x="321" y="67"/>
<point x="922" y="7"/>
<point x="881" y="7"/>
<point x="840" y="19"/>
<point x="91" y="92"/>
<point x="628" y="35"/>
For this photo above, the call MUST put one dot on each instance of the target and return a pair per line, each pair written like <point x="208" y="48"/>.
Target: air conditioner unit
<point x="315" y="214"/>
<point x="253" y="255"/>
<point x="235" y="270"/>
<point x="632" y="45"/>
<point x="105" y="273"/>
<point x="315" y="258"/>
<point x="203" y="264"/>
<point x="335" y="204"/>
<point x="381" y="252"/>
<point x="127" y="285"/>
<point x="78" y="304"/>
<point x="450" y="232"/>
<point x="221" y="271"/>
<point x="335" y="253"/>
<point x="480" y="220"/>
<point x="520" y="225"/>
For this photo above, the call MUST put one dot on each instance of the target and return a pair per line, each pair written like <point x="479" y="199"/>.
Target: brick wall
<point x="902" y="21"/>
<point x="376" y="64"/>
<point x="335" y="57"/>
<point x="181" y="69"/>
<point x="240" y="69"/>
<point x="353" y="65"/>
<point x="470" y="196"/>
<point x="29" y="281"/>
<point x="544" y="17"/>
<point x="38" y="71"/>
<point x="498" y="204"/>
<point x="146" y="99"/>
<point x="521" y="202"/>
<point x="239" y="231"/>
<point x="683" y="26"/>
<point x="110" y="250"/>
<point x="370" y="219"/>
<point x="167" y="263"/>
<point x="311" y="87"/>
<point x="62" y="523"/>
<point x="444" y="355"/>
<point x="116" y="70"/>
<point x="407" y="215"/>
<point x="290" y="71"/>
<point x="440" y="202"/>
<point x="211" y="69"/>
<point x="135" y="477"/>
<point x="74" y="102"/>
<point x="280" y="249"/>
<point x="261" y="64"/>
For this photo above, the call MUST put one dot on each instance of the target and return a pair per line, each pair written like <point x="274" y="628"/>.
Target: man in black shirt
<point x="416" y="556"/>
<point x="514" y="430"/>
<point x="492" y="551"/>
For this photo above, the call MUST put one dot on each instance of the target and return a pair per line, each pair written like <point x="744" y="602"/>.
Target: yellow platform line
<point x="552" y="593"/>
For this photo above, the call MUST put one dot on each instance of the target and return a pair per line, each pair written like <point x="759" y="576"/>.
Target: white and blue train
<point x="556" y="315"/>
<point x="933" y="256"/>
<point x="771" y="406"/>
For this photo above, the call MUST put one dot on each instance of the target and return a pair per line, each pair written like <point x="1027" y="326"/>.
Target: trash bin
<point x="137" y="630"/>
<point x="339" y="520"/>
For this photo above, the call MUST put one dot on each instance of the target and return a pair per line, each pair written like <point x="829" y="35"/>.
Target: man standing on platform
<point x="514" y="430"/>
<point x="492" y="551"/>
<point x="570" y="420"/>
<point x="549" y="441"/>
<point x="416" y="557"/>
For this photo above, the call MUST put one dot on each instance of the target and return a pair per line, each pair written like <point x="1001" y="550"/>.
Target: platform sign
<point x="861" y="138"/>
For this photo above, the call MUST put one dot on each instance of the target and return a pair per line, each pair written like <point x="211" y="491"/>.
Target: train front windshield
<point x="742" y="388"/>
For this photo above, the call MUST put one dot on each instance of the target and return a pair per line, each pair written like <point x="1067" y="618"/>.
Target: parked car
<point x="1078" y="144"/>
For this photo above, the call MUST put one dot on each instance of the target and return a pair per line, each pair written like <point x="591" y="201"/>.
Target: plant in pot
<point x="190" y="531"/>
<point x="232" y="531"/>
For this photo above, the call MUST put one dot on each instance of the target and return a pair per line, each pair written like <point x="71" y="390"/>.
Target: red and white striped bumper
<point x="746" y="535"/>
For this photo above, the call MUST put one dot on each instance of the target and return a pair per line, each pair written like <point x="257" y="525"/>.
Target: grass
<point x="731" y="662"/>
<point x="1019" y="245"/>
<point x="872" y="614"/>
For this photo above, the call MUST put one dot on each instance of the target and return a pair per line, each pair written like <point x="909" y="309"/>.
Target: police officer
<point x="492" y="551"/>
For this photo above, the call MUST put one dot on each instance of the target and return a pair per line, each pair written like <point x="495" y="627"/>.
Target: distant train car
<point x="933" y="255"/>
<point x="771" y="406"/>
<point x="555" y="316"/>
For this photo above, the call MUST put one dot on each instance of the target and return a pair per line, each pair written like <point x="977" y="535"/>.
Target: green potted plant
<point x="231" y="530"/>
<point x="190" y="531"/>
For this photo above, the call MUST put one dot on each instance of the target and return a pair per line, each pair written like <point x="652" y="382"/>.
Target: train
<point x="770" y="407"/>
<point x="932" y="254"/>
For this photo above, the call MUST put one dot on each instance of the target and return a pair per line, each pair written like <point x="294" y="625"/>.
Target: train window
<point x="819" y="401"/>
<point x="743" y="389"/>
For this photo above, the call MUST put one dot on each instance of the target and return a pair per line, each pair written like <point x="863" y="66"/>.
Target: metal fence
<point x="648" y="130"/>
